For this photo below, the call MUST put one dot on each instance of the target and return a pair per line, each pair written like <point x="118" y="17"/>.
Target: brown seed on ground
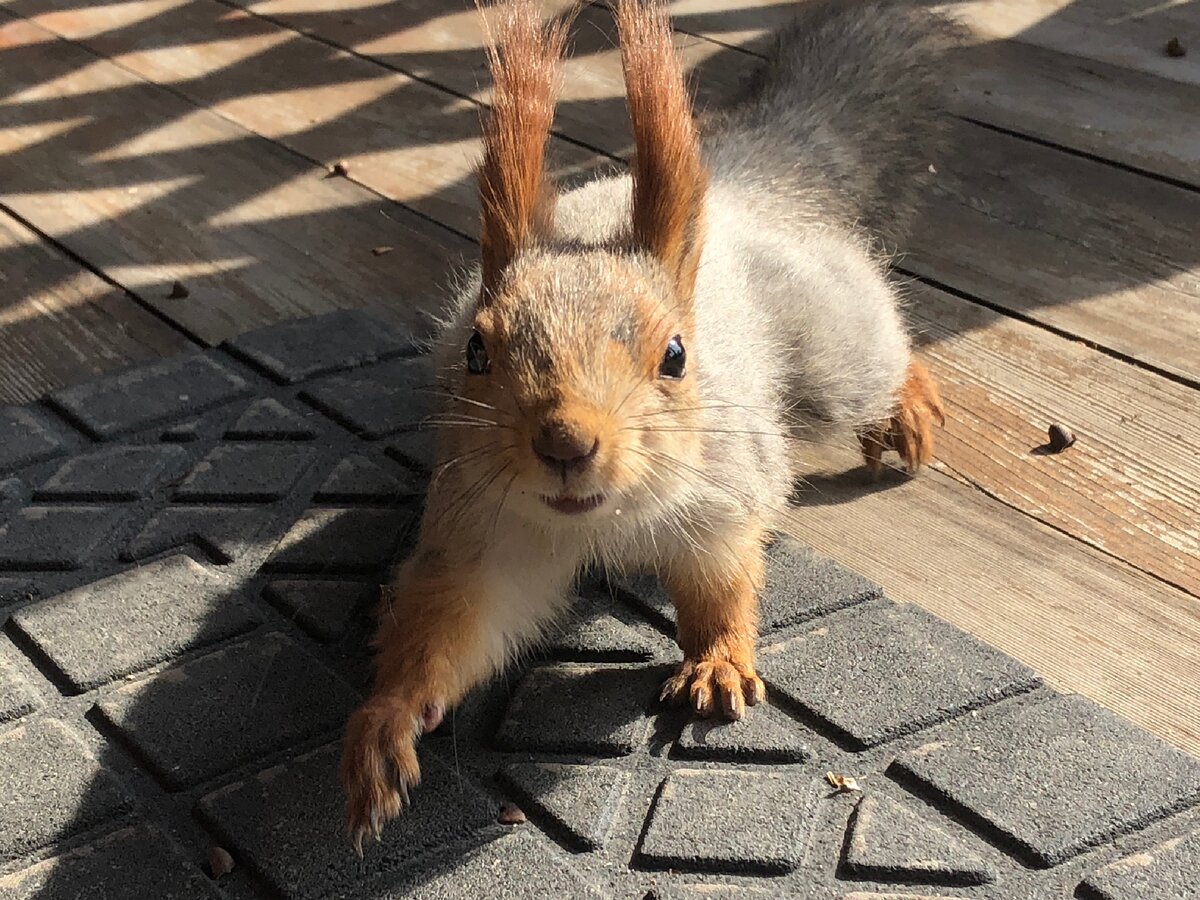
<point x="381" y="251"/>
<point x="219" y="861"/>
<point x="510" y="814"/>
<point x="1175" y="48"/>
<point x="1061" y="437"/>
<point x="339" y="168"/>
<point x="179" y="291"/>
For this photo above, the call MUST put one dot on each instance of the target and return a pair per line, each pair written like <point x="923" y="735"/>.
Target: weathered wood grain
<point x="402" y="138"/>
<point x="150" y="189"/>
<point x="61" y="324"/>
<point x="1129" y="486"/>
<point x="1029" y="73"/>
<point x="1124" y="33"/>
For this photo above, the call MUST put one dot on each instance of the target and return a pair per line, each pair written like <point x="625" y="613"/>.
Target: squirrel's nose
<point x="565" y="448"/>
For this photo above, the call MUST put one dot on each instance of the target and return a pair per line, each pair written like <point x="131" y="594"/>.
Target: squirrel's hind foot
<point x="909" y="431"/>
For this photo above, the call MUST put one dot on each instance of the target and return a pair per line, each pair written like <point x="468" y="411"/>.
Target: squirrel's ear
<point x="669" y="178"/>
<point x="516" y="198"/>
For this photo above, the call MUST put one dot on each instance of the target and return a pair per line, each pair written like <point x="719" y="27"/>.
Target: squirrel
<point x="624" y="372"/>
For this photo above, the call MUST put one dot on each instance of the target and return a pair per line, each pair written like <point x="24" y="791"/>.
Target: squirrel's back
<point x="842" y="121"/>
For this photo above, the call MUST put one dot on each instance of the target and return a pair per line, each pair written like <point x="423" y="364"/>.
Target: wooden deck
<point x="1056" y="276"/>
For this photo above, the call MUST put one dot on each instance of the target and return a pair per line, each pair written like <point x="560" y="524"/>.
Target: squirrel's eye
<point x="477" y="358"/>
<point x="672" y="365"/>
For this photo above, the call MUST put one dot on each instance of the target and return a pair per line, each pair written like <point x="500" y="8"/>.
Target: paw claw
<point x="733" y="686"/>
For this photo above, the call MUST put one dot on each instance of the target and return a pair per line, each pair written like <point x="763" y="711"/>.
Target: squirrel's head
<point x="576" y="391"/>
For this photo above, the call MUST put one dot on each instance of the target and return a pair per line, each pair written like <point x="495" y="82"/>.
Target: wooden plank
<point x="401" y="137"/>
<point x="150" y="189"/>
<point x="1129" y="486"/>
<point x="1138" y="120"/>
<point x="442" y="41"/>
<point x="1125" y="33"/>
<point x="1100" y="253"/>
<point x="61" y="324"/>
<point x="1120" y="114"/>
<point x="1086" y="622"/>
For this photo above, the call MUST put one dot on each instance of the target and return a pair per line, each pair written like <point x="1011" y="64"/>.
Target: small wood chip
<point x="179" y="291"/>
<point x="510" y="814"/>
<point x="1061" y="437"/>
<point x="382" y="250"/>
<point x="339" y="169"/>
<point x="1175" y="48"/>
<point x="219" y="861"/>
<point x="843" y="783"/>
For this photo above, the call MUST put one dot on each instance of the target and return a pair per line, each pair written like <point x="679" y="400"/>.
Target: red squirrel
<point x="627" y="365"/>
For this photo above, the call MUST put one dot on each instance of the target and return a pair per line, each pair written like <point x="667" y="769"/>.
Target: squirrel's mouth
<point x="573" y="506"/>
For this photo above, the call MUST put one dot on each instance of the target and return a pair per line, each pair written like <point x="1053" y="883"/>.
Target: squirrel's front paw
<point x="379" y="763"/>
<point x="910" y="429"/>
<point x="711" y="684"/>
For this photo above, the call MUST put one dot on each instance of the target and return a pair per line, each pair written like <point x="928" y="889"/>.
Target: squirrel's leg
<point x="715" y="592"/>
<point x="430" y="652"/>
<point x="909" y="431"/>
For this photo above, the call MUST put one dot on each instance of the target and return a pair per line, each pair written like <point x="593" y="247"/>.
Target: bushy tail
<point x="844" y="118"/>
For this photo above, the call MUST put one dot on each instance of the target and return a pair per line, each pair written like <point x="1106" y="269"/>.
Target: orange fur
<point x="516" y="198"/>
<point x="669" y="178"/>
<point x="716" y="601"/>
<point x="910" y="429"/>
<point x="424" y="658"/>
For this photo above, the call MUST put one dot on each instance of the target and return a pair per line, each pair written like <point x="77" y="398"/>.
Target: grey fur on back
<point x="844" y="119"/>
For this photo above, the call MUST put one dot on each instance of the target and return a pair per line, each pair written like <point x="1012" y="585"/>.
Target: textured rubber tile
<point x="50" y="788"/>
<point x="248" y="700"/>
<point x="56" y="538"/>
<point x="28" y="437"/>
<point x="893" y="841"/>
<point x="224" y="533"/>
<point x="1170" y="869"/>
<point x="325" y="609"/>
<point x="114" y="473"/>
<point x="356" y="479"/>
<point x="1094" y="776"/>
<point x="150" y="394"/>
<point x="331" y="540"/>
<point x="288" y="823"/>
<point x="715" y="820"/>
<point x="596" y="630"/>
<point x="888" y="671"/>
<point x="764" y="735"/>
<point x="519" y="866"/>
<point x="247" y="473"/>
<point x="16" y="697"/>
<point x="387" y="399"/>
<point x="135" y="619"/>
<point x="581" y="709"/>
<point x="300" y="349"/>
<point x="580" y="801"/>
<point x="320" y="462"/>
<point x="130" y="863"/>
<point x="270" y="420"/>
